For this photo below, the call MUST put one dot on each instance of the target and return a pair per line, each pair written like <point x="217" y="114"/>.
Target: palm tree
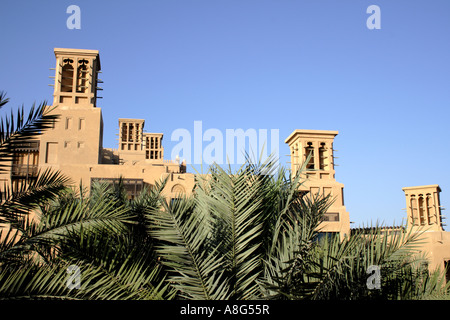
<point x="70" y="230"/>
<point x="251" y="234"/>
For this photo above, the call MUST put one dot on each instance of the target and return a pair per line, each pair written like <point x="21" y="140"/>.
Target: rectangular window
<point x="331" y="216"/>
<point x="51" y="155"/>
<point x="327" y="235"/>
<point x="81" y="123"/>
<point x="68" y="123"/>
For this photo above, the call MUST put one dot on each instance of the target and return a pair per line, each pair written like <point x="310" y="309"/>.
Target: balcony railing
<point x="31" y="146"/>
<point x="23" y="170"/>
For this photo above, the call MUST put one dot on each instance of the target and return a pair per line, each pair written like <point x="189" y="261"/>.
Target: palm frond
<point x="30" y="196"/>
<point x="19" y="128"/>
<point x="122" y="272"/>
<point x="182" y="238"/>
<point x="233" y="202"/>
<point x="53" y="222"/>
<point x="3" y="99"/>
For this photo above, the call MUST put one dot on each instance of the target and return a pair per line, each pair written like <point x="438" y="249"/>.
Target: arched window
<point x="309" y="150"/>
<point x="421" y="210"/>
<point x="67" y="76"/>
<point x="430" y="211"/>
<point x="323" y="156"/>
<point x="414" y="213"/>
<point x="82" y="76"/>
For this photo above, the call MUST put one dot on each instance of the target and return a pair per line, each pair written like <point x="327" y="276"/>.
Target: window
<point x="130" y="132"/>
<point x="68" y="123"/>
<point x="331" y="216"/>
<point x="82" y="76"/>
<point x="51" y="155"/>
<point x="414" y="213"/>
<point x="137" y="132"/>
<point x="25" y="160"/>
<point x="323" y="156"/>
<point x="421" y="210"/>
<point x="124" y="133"/>
<point x="327" y="236"/>
<point x="81" y="124"/>
<point x="67" y="76"/>
<point x="309" y="151"/>
<point x="429" y="208"/>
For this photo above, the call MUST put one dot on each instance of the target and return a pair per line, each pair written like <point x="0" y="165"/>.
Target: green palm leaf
<point x="19" y="128"/>
<point x="182" y="237"/>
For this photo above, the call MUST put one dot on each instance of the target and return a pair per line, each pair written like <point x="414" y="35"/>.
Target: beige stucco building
<point x="313" y="149"/>
<point x="423" y="209"/>
<point x="74" y="145"/>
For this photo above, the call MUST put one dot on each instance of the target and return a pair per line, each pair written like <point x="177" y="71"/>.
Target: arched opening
<point x="430" y="211"/>
<point x="67" y="76"/>
<point x="178" y="189"/>
<point x="323" y="162"/>
<point x="414" y="213"/>
<point x="421" y="210"/>
<point x="309" y="151"/>
<point x="82" y="76"/>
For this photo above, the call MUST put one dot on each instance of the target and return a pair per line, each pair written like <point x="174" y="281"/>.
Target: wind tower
<point x="423" y="207"/>
<point x="77" y="137"/>
<point x="319" y="174"/>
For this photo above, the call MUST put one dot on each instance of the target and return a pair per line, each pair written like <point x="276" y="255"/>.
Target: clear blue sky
<point x="285" y="64"/>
